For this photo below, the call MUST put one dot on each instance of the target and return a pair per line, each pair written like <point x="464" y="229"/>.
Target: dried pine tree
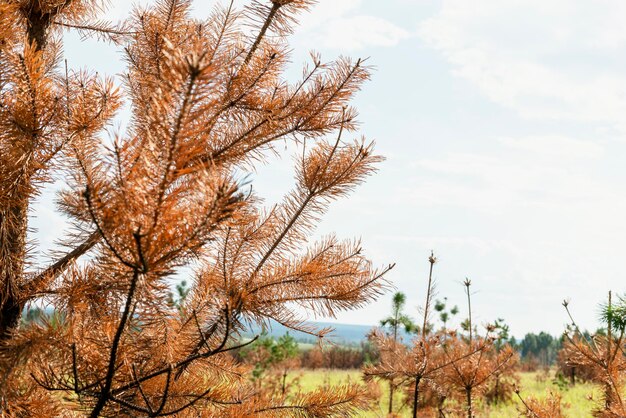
<point x="273" y="359"/>
<point x="549" y="407"/>
<point x="407" y="366"/>
<point x="601" y="358"/>
<point x="473" y="362"/>
<point x="431" y="363"/>
<point x="207" y="99"/>
<point x="505" y="380"/>
<point x="402" y="365"/>
<point x="395" y="322"/>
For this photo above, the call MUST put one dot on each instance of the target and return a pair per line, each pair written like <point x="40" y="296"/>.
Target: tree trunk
<point x="440" y="409"/>
<point x="497" y="389"/>
<point x="14" y="216"/>
<point x="13" y="223"/>
<point x="470" y="411"/>
<point x="608" y="388"/>
<point x="284" y="387"/>
<point x="395" y="341"/>
<point x="416" y="396"/>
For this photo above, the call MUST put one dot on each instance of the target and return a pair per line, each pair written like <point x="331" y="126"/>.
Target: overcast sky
<point x="504" y="127"/>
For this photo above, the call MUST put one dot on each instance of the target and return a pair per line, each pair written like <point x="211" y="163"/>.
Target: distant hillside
<point x="343" y="334"/>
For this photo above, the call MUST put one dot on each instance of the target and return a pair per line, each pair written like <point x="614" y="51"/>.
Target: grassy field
<point x="580" y="397"/>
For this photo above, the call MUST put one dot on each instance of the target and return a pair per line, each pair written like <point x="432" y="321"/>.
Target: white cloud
<point x="326" y="11"/>
<point x="360" y="32"/>
<point x="479" y="245"/>
<point x="556" y="146"/>
<point x="549" y="175"/>
<point x="547" y="60"/>
<point x="335" y="25"/>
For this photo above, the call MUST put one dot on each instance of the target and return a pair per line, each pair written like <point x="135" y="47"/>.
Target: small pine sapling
<point x="551" y="406"/>
<point x="397" y="321"/>
<point x="601" y="357"/>
<point x="473" y="362"/>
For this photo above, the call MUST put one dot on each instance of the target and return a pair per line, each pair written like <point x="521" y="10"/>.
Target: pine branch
<point x="43" y="279"/>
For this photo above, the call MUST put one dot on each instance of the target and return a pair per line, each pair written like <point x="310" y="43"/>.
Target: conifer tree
<point x="207" y="100"/>
<point x="398" y="320"/>
<point x="601" y="357"/>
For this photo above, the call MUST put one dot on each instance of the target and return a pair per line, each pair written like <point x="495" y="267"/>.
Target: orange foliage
<point x="601" y="360"/>
<point x="207" y="100"/>
<point x="442" y="366"/>
<point x="550" y="407"/>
